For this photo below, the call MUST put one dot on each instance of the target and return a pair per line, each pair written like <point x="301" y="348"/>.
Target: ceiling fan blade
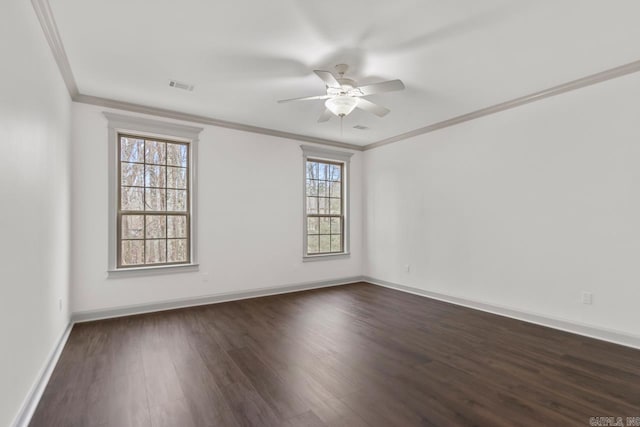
<point x="306" y="98"/>
<point x="388" y="86"/>
<point x="325" y="116"/>
<point x="328" y="79"/>
<point x="370" y="107"/>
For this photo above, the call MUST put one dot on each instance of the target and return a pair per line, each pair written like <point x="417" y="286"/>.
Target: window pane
<point x="323" y="189"/>
<point x="177" y="250"/>
<point x="177" y="177"/>
<point x="325" y="226"/>
<point x="155" y="199"/>
<point x="131" y="174"/>
<point x="325" y="243"/>
<point x="313" y="225"/>
<point x="155" y="152"/>
<point x="131" y="149"/>
<point x="176" y="226"/>
<point x="336" y="243"/>
<point x="336" y="206"/>
<point x="313" y="244"/>
<point x="155" y="251"/>
<point x="322" y="170"/>
<point x="132" y="226"/>
<point x="177" y="200"/>
<point x="156" y="226"/>
<point x="132" y="252"/>
<point x="336" y="227"/>
<point x="334" y="173"/>
<point x="312" y="170"/>
<point x="312" y="187"/>
<point x="176" y="155"/>
<point x="154" y="176"/>
<point x="336" y="188"/>
<point x="323" y="206"/>
<point x="131" y="198"/>
<point x="312" y="205"/>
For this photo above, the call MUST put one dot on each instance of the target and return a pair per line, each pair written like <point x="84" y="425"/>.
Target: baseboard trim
<point x="23" y="418"/>
<point x="30" y="404"/>
<point x="612" y="336"/>
<point x="91" y="315"/>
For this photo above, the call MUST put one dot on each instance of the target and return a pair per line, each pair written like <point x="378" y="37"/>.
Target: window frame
<point x="157" y="130"/>
<point x="144" y="212"/>
<point x="312" y="153"/>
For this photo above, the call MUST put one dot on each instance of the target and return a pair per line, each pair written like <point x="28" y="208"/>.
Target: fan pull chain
<point x="341" y="119"/>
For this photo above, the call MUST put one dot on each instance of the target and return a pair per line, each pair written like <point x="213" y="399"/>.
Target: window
<point x="325" y="202"/>
<point x="325" y="210"/>
<point x="153" y="202"/>
<point x="151" y="194"/>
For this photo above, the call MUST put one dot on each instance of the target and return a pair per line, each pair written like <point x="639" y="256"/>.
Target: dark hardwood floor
<point x="355" y="355"/>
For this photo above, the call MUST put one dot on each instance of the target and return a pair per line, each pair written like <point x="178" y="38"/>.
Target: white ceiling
<point x="454" y="56"/>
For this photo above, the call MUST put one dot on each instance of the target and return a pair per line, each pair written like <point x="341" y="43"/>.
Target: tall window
<point x="154" y="217"/>
<point x="325" y="210"/>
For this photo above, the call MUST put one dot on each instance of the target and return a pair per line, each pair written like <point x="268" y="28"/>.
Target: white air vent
<point x="360" y="127"/>
<point x="180" y="85"/>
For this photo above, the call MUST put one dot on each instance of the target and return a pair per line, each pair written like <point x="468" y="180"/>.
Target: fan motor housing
<point x="350" y="84"/>
<point x="345" y="86"/>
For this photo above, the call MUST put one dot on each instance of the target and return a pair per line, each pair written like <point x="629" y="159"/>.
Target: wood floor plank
<point x="334" y="413"/>
<point x="284" y="400"/>
<point x="355" y="355"/>
<point x="249" y="408"/>
<point x="307" y="419"/>
<point x="161" y="378"/>
<point x="123" y="401"/>
<point x="171" y="414"/>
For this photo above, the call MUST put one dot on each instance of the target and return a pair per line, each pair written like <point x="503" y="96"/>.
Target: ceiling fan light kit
<point x="341" y="105"/>
<point x="344" y="95"/>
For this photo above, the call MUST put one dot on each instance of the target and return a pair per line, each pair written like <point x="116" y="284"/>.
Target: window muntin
<point x="324" y="212"/>
<point x="154" y="219"/>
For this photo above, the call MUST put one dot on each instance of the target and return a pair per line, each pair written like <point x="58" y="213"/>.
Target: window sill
<point x="155" y="270"/>
<point x="325" y="257"/>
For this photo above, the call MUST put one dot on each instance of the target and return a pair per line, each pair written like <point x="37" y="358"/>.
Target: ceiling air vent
<point x="180" y="85"/>
<point x="360" y="127"/>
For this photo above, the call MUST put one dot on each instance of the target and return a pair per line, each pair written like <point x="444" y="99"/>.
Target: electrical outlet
<point x="407" y="268"/>
<point x="205" y="277"/>
<point x="587" y="298"/>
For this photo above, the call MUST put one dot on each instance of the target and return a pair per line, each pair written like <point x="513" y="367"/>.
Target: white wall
<point x="34" y="196"/>
<point x="249" y="219"/>
<point x="524" y="209"/>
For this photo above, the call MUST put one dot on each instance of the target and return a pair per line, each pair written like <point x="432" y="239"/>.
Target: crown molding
<point x="592" y="79"/>
<point x="50" y="29"/>
<point x="51" y="33"/>
<point x="170" y="114"/>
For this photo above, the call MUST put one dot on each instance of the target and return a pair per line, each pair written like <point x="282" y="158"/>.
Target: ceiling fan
<point x="344" y="95"/>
